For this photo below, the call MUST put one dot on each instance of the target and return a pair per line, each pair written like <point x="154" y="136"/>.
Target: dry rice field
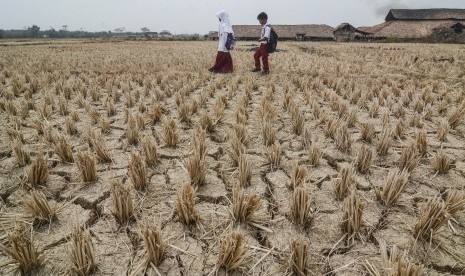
<point x="130" y="158"/>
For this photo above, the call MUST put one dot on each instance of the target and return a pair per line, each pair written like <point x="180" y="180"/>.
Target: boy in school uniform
<point x="262" y="51"/>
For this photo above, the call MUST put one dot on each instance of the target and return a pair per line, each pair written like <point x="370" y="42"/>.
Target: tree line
<point x="34" y="31"/>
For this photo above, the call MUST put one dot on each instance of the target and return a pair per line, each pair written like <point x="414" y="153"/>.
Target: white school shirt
<point x="222" y="38"/>
<point x="266" y="29"/>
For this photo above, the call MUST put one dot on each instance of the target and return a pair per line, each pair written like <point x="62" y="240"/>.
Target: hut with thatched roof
<point x="347" y="32"/>
<point x="212" y="35"/>
<point x="421" y="24"/>
<point x="309" y="32"/>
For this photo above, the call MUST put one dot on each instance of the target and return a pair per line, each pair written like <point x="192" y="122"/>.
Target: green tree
<point x="2" y="33"/>
<point x="34" y="31"/>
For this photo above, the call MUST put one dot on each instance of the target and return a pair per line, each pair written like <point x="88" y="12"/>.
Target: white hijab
<point x="225" y="24"/>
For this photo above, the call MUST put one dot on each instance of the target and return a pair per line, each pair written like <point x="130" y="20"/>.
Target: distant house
<point x="165" y="35"/>
<point x="212" y="35"/>
<point x="347" y="32"/>
<point x="151" y="34"/>
<point x="421" y="24"/>
<point x="287" y="32"/>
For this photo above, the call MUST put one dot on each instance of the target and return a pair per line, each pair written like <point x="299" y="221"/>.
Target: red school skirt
<point x="223" y="63"/>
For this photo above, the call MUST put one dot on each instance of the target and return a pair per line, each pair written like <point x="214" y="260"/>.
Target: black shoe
<point x="256" y="70"/>
<point x="265" y="72"/>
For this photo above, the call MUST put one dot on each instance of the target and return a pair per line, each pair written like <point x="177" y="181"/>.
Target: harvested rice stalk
<point x="240" y="131"/>
<point x="367" y="131"/>
<point x="441" y="163"/>
<point x="268" y="132"/>
<point x="298" y="177"/>
<point x="21" y="155"/>
<point x="196" y="167"/>
<point x="122" y="202"/>
<point x="71" y="128"/>
<point x="153" y="245"/>
<point x="273" y="156"/>
<point x="344" y="182"/>
<point x="102" y="152"/>
<point x="300" y="208"/>
<point x="105" y="126"/>
<point x="409" y="158"/>
<point x="185" y="205"/>
<point x="432" y="216"/>
<point x="422" y="143"/>
<point x="37" y="207"/>
<point x="137" y="172"/>
<point x="38" y="172"/>
<point x="456" y="117"/>
<point x="314" y="155"/>
<point x="20" y="248"/>
<point x="232" y="251"/>
<point x="244" y="207"/>
<point x="443" y="130"/>
<point x="343" y="139"/>
<point x="364" y="159"/>
<point x="352" y="219"/>
<point x="63" y="150"/>
<point x="299" y="260"/>
<point x="87" y="166"/>
<point x="455" y="202"/>
<point x="206" y="122"/>
<point x="149" y="148"/>
<point x="236" y="150"/>
<point x="132" y="131"/>
<point x="245" y="172"/>
<point x="385" y="142"/>
<point x="82" y="252"/>
<point x="393" y="187"/>
<point x="170" y="133"/>
<point x="394" y="264"/>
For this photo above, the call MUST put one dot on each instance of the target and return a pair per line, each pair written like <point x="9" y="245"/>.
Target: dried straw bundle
<point x="244" y="207"/>
<point x="87" y="166"/>
<point x="433" y="215"/>
<point x="38" y="173"/>
<point x="300" y="208"/>
<point x="441" y="163"/>
<point x="232" y="251"/>
<point x="245" y="172"/>
<point x="344" y="181"/>
<point x="185" y="205"/>
<point x="300" y="258"/>
<point x="394" y="186"/>
<point x="170" y="133"/>
<point x="122" y="202"/>
<point x="37" y="207"/>
<point x="352" y="219"/>
<point x="63" y="150"/>
<point x="21" y="250"/>
<point x="298" y="176"/>
<point x="364" y="159"/>
<point x="82" y="252"/>
<point x="137" y="172"/>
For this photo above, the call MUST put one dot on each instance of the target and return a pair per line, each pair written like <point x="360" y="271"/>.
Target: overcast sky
<point x="197" y="16"/>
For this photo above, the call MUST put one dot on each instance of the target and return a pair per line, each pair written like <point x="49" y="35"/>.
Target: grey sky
<point x="197" y="16"/>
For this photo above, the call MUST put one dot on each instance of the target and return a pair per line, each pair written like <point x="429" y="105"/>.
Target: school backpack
<point x="230" y="41"/>
<point x="272" y="43"/>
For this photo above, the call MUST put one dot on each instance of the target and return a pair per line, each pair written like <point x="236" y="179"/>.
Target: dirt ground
<point x="415" y="87"/>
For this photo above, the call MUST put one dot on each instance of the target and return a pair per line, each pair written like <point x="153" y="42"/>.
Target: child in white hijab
<point x="224" y="62"/>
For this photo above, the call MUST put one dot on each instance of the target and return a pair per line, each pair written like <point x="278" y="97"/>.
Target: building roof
<point x="426" y="14"/>
<point x="410" y="29"/>
<point x="361" y="30"/>
<point x="285" y="31"/>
